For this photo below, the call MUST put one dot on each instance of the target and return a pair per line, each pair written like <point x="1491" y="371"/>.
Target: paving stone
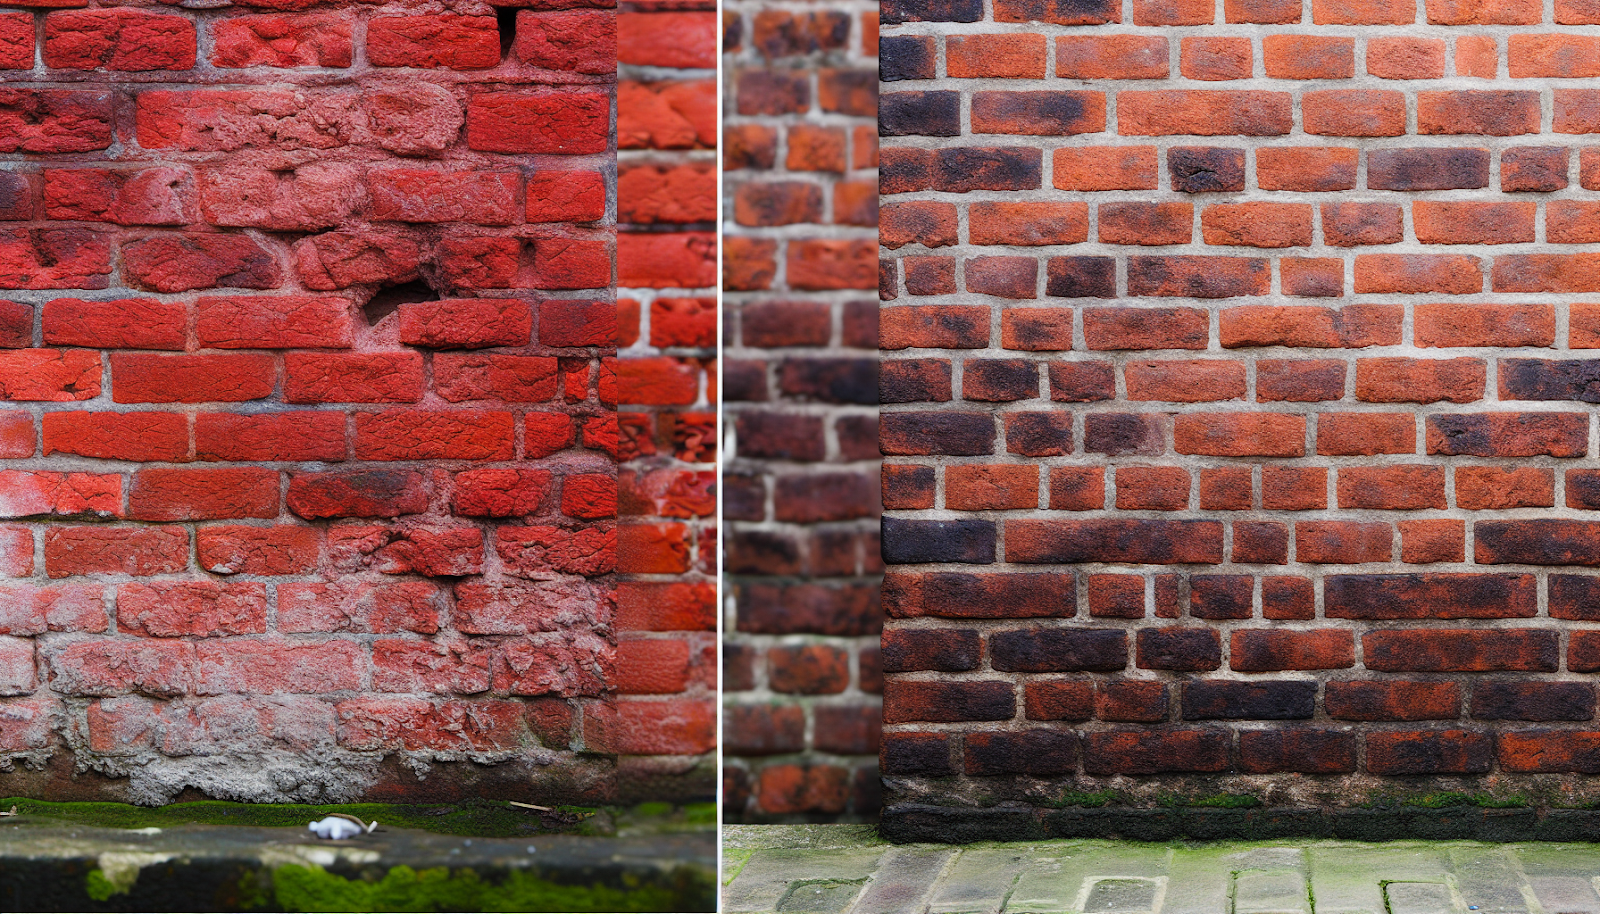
<point x="1488" y="880"/>
<point x="1123" y="896"/>
<point x="980" y="879"/>
<point x="904" y="880"/>
<point x="1280" y="892"/>
<point x="832" y="897"/>
<point x="1347" y="878"/>
<point x="1063" y="884"/>
<point x="1566" y="894"/>
<point x="1197" y="879"/>
<point x="766" y="878"/>
<point x="1420" y="898"/>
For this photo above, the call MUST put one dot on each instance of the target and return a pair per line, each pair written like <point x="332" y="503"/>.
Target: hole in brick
<point x="390" y="298"/>
<point x="505" y="18"/>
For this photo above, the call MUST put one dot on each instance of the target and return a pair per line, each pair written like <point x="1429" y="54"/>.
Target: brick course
<point x="1233" y="360"/>
<point x="309" y="454"/>
<point x="801" y="566"/>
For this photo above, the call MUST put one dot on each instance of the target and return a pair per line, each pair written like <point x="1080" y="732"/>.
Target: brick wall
<point x="801" y="674"/>
<point x="307" y="442"/>
<point x="666" y="204"/>
<point x="1236" y="397"/>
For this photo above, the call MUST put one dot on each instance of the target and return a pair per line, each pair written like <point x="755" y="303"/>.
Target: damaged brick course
<point x="309" y="452"/>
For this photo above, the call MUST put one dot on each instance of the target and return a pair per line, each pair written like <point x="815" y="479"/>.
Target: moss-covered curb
<point x="59" y="862"/>
<point x="477" y="818"/>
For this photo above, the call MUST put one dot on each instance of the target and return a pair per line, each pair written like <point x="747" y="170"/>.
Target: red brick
<point x="1342" y="542"/>
<point x="118" y="39"/>
<point x="1484" y="325"/>
<point x="1364" y="434"/>
<point x="1299" y="380"/>
<point x="570" y="122"/>
<point x="173" y="609"/>
<point x="1394" y="488"/>
<point x="1353" y="326"/>
<point x="281" y="41"/>
<point x="26" y="494"/>
<point x="1354" y="112"/>
<point x="1111" y="57"/>
<point x="1240" y="434"/>
<point x="1152" y="488"/>
<point x="174" y="495"/>
<point x="257" y="550"/>
<point x="276" y="436"/>
<point x="1362" y="12"/>
<point x="1406" y="58"/>
<point x="1105" y="168"/>
<point x="1400" y="380"/>
<point x="105" y="666"/>
<point x="457" y="42"/>
<point x="1488" y="488"/>
<point x="1472" y="223"/>
<point x="675" y="114"/>
<point x="1460" y="650"/>
<point x="1353" y="224"/>
<point x="1477" y="112"/>
<point x="1571" y="222"/>
<point x="1306" y="168"/>
<point x="149" y="196"/>
<point x="16" y="41"/>
<point x="1226" y="489"/>
<point x="586" y="41"/>
<point x="1477" y="56"/>
<point x="1217" y="58"/>
<point x="115" y="550"/>
<point x="434" y="435"/>
<point x="1411" y="274"/>
<point x="54" y="120"/>
<point x="681" y="40"/>
<point x="116" y="436"/>
<point x="1266" y="650"/>
<point x="420" y="724"/>
<point x="1260" y="225"/>
<point x="683" y="727"/>
<point x="137" y="378"/>
<point x="273" y="322"/>
<point x="1308" y="57"/>
<point x="1203" y="113"/>
<point x="1011" y="56"/>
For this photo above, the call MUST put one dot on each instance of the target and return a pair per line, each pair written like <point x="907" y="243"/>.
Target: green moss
<point x="733" y="861"/>
<point x="475" y="818"/>
<point x="1223" y="801"/>
<point x="99" y="887"/>
<point x="1446" y="800"/>
<point x="299" y="888"/>
<point x="1077" y="798"/>
<point x="1450" y="798"/>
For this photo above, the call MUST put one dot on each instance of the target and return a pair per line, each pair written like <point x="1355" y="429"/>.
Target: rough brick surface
<point x="666" y="374"/>
<point x="309" y="447"/>
<point x="1234" y="357"/>
<point x="802" y="671"/>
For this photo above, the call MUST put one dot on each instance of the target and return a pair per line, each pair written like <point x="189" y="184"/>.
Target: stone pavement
<point x="846" y="869"/>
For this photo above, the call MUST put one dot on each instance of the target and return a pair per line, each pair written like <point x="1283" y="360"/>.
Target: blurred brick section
<point x="666" y="372"/>
<point x="801" y="672"/>
<point x="308" y="327"/>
